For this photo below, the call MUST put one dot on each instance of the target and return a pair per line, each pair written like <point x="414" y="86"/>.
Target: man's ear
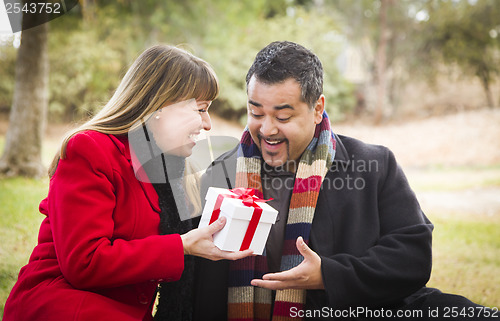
<point x="319" y="108"/>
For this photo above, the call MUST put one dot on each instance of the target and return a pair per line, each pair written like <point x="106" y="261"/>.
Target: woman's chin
<point x="184" y="151"/>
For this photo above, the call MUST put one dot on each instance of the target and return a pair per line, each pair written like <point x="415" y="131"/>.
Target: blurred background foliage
<point x="91" y="47"/>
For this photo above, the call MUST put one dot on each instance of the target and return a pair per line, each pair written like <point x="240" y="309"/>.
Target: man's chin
<point x="274" y="162"/>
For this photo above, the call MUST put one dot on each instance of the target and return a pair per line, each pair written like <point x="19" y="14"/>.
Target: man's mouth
<point x="272" y="143"/>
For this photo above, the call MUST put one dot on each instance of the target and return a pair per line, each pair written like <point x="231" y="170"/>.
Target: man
<point x="350" y="241"/>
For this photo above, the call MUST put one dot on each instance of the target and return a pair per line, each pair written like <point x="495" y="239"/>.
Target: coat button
<point x="143" y="299"/>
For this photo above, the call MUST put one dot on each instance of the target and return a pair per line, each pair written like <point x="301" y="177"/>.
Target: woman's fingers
<point x="199" y="242"/>
<point x="217" y="225"/>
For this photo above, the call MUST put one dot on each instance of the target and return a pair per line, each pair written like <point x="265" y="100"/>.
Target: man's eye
<point x="256" y="115"/>
<point x="283" y="119"/>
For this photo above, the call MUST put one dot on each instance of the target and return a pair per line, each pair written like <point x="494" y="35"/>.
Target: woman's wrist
<point x="185" y="243"/>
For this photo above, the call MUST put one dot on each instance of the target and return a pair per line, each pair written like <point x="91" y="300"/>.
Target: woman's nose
<point x="206" y="121"/>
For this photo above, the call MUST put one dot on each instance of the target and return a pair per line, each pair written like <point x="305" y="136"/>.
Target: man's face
<point x="280" y="123"/>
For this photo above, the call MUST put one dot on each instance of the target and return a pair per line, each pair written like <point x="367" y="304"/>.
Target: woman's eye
<point x="203" y="107"/>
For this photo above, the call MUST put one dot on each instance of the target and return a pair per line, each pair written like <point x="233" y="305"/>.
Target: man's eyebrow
<point x="251" y="102"/>
<point x="280" y="107"/>
<point x="287" y="106"/>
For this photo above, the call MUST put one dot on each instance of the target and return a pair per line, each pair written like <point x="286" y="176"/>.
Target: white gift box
<point x="238" y="216"/>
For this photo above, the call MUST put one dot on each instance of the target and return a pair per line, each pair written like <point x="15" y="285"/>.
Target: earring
<point x="157" y="117"/>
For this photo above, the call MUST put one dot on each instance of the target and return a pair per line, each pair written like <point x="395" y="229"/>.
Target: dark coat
<point x="368" y="228"/>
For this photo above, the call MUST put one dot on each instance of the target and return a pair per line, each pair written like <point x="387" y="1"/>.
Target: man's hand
<point x="306" y="275"/>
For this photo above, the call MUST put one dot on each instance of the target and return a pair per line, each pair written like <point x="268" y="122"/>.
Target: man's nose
<point x="268" y="127"/>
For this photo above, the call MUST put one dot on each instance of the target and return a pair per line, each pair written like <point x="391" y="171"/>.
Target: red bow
<point x="248" y="198"/>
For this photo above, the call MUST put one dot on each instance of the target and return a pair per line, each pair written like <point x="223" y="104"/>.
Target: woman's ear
<point x="319" y="108"/>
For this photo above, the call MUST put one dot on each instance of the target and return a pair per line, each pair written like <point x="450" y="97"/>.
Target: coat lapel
<point x="122" y="143"/>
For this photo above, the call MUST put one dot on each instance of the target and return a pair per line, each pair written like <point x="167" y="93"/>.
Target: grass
<point x="19" y="223"/>
<point x="466" y="257"/>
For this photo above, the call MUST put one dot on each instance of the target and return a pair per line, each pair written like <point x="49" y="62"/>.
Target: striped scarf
<point x="246" y="302"/>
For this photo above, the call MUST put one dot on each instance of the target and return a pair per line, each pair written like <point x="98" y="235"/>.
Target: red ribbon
<point x="247" y="195"/>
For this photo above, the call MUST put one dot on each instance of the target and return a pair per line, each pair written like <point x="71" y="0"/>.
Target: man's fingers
<point x="306" y="275"/>
<point x="271" y="285"/>
<point x="303" y="248"/>
<point x="281" y="276"/>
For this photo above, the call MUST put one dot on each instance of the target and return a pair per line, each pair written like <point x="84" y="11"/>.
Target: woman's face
<point x="175" y="127"/>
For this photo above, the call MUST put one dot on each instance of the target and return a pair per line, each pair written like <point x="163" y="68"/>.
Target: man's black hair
<point x="281" y="60"/>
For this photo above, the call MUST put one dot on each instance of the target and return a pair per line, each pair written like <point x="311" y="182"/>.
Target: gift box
<point x="248" y="218"/>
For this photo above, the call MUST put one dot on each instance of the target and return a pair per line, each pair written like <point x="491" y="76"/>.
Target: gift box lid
<point x="234" y="208"/>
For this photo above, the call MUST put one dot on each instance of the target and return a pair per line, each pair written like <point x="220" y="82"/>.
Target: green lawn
<point x="466" y="257"/>
<point x="19" y="223"/>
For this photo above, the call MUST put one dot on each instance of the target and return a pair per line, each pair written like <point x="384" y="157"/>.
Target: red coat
<point x="99" y="255"/>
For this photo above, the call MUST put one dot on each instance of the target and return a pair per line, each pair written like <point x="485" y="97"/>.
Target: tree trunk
<point x="380" y="62"/>
<point x="23" y="143"/>
<point x="489" y="95"/>
<point x="485" y="81"/>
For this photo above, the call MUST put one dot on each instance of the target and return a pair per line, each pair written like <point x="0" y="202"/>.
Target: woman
<point x="99" y="254"/>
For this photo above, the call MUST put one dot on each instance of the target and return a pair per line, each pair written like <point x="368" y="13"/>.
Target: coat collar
<point x="123" y="146"/>
<point x="341" y="154"/>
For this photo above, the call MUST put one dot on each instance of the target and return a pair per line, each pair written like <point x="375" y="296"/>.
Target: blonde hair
<point x="161" y="75"/>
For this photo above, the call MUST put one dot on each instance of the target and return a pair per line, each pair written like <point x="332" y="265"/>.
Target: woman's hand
<point x="200" y="242"/>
